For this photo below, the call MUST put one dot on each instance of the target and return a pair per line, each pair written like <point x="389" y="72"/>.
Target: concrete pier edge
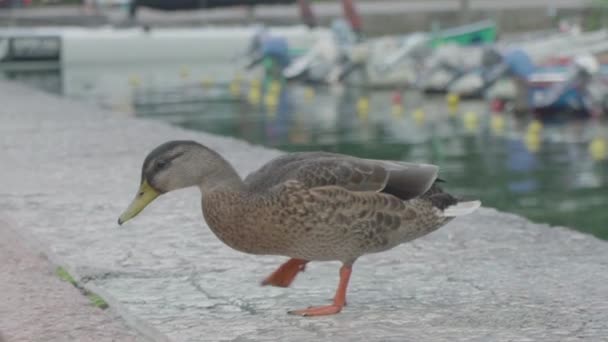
<point x="115" y="306"/>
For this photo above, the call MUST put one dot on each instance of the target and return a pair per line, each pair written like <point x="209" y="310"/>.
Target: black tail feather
<point x="439" y="198"/>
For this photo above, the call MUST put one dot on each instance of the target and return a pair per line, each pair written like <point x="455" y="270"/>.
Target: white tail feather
<point x="461" y="208"/>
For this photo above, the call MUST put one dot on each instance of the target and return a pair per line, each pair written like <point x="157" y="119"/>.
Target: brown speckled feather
<point x="322" y="206"/>
<point x="313" y="169"/>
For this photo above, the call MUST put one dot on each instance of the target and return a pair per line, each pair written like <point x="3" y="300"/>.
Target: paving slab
<point x="35" y="305"/>
<point x="69" y="169"/>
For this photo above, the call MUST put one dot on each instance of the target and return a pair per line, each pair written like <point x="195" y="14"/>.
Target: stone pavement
<point x="36" y="306"/>
<point x="69" y="169"/>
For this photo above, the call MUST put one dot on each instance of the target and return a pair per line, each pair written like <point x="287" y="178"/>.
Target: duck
<point x="307" y="206"/>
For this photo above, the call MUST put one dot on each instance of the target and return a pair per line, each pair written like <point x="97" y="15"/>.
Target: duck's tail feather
<point x="461" y="208"/>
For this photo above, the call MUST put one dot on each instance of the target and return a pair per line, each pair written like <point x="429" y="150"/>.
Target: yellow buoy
<point x="598" y="149"/>
<point x="254" y="96"/>
<point x="271" y="100"/>
<point x="271" y="110"/>
<point x="184" y="72"/>
<point x="534" y="127"/>
<point x="471" y="121"/>
<point x="134" y="81"/>
<point x="452" y="99"/>
<point x="275" y="87"/>
<point x="453" y="102"/>
<point x="398" y="111"/>
<point x="207" y="82"/>
<point x="255" y="83"/>
<point x="363" y="105"/>
<point x="235" y="88"/>
<point x="497" y="123"/>
<point x="419" y="116"/>
<point x="309" y="93"/>
<point x="532" y="141"/>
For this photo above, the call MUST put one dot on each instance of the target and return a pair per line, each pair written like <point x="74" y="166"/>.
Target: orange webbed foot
<point x="317" y="311"/>
<point x="339" y="298"/>
<point x="286" y="273"/>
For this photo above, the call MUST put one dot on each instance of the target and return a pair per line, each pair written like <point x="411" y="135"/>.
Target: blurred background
<point x="509" y="98"/>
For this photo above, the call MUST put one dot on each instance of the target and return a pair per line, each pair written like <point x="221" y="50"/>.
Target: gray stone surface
<point x="69" y="169"/>
<point x="36" y="306"/>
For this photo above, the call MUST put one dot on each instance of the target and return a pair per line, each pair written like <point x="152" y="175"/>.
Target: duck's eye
<point x="161" y="164"/>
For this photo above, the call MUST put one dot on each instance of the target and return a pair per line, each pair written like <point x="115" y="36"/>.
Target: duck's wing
<point x="316" y="169"/>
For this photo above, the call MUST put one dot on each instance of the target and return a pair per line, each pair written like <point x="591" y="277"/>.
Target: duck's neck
<point x="223" y="177"/>
<point x="225" y="210"/>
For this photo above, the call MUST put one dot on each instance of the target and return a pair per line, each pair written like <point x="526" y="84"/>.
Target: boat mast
<point x="306" y="13"/>
<point x="353" y="17"/>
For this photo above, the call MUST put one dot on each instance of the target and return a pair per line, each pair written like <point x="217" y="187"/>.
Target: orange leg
<point x="286" y="273"/>
<point x="339" y="299"/>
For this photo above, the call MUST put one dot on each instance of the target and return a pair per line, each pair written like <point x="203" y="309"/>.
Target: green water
<point x="547" y="174"/>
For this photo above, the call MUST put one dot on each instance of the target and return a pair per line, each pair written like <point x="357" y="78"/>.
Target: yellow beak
<point x="145" y="195"/>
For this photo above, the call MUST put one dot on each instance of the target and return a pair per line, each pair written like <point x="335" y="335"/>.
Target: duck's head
<point x="171" y="166"/>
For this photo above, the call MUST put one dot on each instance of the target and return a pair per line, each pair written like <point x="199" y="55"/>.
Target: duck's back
<point x="316" y="169"/>
<point x="280" y="169"/>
